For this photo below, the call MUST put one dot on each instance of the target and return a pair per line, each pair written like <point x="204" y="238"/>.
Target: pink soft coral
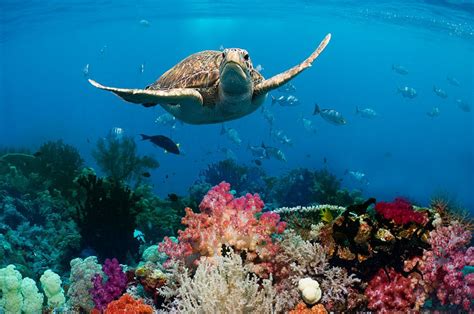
<point x="390" y="292"/>
<point x="442" y="265"/>
<point x="228" y="221"/>
<point x="401" y="212"/>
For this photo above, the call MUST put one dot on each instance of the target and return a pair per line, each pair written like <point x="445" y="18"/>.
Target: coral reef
<point x="223" y="285"/>
<point x="128" y="305"/>
<point x="118" y="159"/>
<point x="225" y="221"/>
<point x="106" y="217"/>
<point x="105" y="292"/>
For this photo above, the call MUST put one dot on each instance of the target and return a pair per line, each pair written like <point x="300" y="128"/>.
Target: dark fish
<point x="38" y="154"/>
<point x="162" y="141"/>
<point x="167" y="176"/>
<point x="258" y="162"/>
<point x="173" y="197"/>
<point x="146" y="174"/>
<point x="325" y="160"/>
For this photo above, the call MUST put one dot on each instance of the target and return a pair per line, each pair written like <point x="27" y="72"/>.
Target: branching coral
<point x="106" y="216"/>
<point x="118" y="159"/>
<point x="225" y="221"/>
<point x="223" y="285"/>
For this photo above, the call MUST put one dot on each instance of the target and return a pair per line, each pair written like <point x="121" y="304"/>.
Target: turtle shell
<point x="199" y="70"/>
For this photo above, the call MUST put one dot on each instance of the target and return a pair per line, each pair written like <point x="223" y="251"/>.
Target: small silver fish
<point x="142" y="68"/>
<point x="273" y="152"/>
<point x="330" y="115"/>
<point x="287" y="88"/>
<point x="358" y="176"/>
<point x="228" y="153"/>
<point x="103" y="49"/>
<point x="166" y="119"/>
<point x="434" y="112"/>
<point x="400" y="69"/>
<point x="258" y="151"/>
<point x="453" y="81"/>
<point x="281" y="137"/>
<point x="368" y="113"/>
<point x="440" y="92"/>
<point x="308" y="125"/>
<point x="463" y="105"/>
<point x="268" y="115"/>
<point x="407" y="92"/>
<point x="116" y="133"/>
<point x="289" y="101"/>
<point x="231" y="134"/>
<point x="85" y="70"/>
<point x="144" y="23"/>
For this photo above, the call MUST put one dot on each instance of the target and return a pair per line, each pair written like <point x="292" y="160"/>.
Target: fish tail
<point x="145" y="137"/>
<point x="317" y="110"/>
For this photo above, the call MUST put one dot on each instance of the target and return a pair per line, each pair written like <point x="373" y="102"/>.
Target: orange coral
<point x="302" y="308"/>
<point x="128" y="305"/>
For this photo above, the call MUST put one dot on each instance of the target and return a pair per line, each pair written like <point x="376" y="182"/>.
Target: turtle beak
<point x="233" y="64"/>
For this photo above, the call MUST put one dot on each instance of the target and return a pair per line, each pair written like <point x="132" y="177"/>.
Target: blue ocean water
<point x="44" y="94"/>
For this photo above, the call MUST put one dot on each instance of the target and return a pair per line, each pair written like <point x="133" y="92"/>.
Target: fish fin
<point x="317" y="110"/>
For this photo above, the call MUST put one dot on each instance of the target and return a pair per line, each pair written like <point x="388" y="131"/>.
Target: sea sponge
<point x="51" y="283"/>
<point x="310" y="290"/>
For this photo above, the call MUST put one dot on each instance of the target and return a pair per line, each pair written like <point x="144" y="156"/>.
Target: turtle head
<point x="235" y="71"/>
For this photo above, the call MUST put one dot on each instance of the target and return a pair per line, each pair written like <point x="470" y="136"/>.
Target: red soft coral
<point x="401" y="212"/>
<point x="390" y="292"/>
<point x="442" y="266"/>
<point x="228" y="221"/>
<point x="128" y="305"/>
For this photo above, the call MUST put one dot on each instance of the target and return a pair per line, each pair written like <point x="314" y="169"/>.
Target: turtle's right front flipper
<point x="181" y="96"/>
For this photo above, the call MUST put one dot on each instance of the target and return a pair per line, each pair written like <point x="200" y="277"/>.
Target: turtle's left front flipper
<point x="283" y="78"/>
<point x="147" y="97"/>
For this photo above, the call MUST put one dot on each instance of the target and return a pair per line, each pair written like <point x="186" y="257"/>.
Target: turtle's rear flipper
<point x="148" y="98"/>
<point x="283" y="78"/>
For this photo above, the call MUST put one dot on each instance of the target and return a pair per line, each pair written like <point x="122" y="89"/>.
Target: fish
<point x="166" y="119"/>
<point x="258" y="162"/>
<point x="231" y="134"/>
<point x="142" y="68"/>
<point x="358" y="176"/>
<point x="287" y="88"/>
<point x="273" y="152"/>
<point x="116" y="133"/>
<point x="229" y="154"/>
<point x="259" y="68"/>
<point x="281" y="137"/>
<point x="407" y="92"/>
<point x="173" y="197"/>
<point x="463" y="105"/>
<point x="268" y="115"/>
<point x="434" y="112"/>
<point x="308" y="125"/>
<point x="330" y="115"/>
<point x="400" y="69"/>
<point x="368" y="113"/>
<point x="288" y="101"/>
<point x="162" y="141"/>
<point x="103" y="49"/>
<point x="258" y="151"/>
<point x="144" y="23"/>
<point x="453" y="81"/>
<point x="85" y="70"/>
<point x="146" y="174"/>
<point x="440" y="92"/>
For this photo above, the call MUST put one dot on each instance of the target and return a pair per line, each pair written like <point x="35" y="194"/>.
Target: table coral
<point x="232" y="222"/>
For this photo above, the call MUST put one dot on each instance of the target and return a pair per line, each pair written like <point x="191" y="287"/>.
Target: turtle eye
<point x="246" y="57"/>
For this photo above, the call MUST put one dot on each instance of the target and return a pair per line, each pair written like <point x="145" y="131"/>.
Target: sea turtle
<point x="212" y="86"/>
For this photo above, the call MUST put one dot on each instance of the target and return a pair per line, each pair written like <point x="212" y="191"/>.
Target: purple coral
<point x="105" y="292"/>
